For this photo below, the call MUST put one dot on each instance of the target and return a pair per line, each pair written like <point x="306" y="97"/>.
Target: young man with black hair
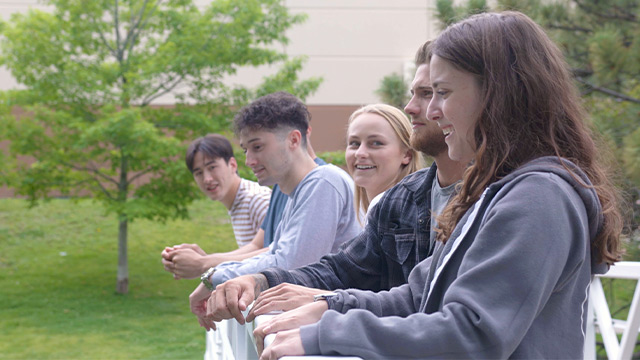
<point x="210" y="159"/>
<point x="319" y="215"/>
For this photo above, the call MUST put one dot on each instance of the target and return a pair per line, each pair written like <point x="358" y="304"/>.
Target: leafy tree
<point x="90" y="72"/>
<point x="601" y="41"/>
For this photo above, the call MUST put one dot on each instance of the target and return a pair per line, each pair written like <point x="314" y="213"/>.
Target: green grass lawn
<point x="57" y="283"/>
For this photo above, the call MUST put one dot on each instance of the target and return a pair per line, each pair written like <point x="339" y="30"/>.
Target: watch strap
<point x="323" y="296"/>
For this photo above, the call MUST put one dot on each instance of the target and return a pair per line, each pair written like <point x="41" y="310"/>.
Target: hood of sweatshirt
<point x="573" y="175"/>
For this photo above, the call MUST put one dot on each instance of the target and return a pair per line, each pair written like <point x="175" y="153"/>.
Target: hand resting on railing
<point x="198" y="304"/>
<point x="232" y="297"/>
<point x="283" y="297"/>
<point x="287" y="326"/>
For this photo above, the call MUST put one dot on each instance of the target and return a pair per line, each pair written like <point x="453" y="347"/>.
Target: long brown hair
<point x="531" y="109"/>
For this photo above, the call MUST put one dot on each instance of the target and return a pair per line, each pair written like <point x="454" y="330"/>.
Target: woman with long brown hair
<point x="534" y="218"/>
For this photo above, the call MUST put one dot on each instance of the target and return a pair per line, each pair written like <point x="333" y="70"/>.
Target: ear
<point x="233" y="164"/>
<point x="294" y="139"/>
<point x="408" y="156"/>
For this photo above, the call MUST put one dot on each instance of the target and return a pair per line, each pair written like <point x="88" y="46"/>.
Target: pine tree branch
<point x="569" y="28"/>
<point x="631" y="17"/>
<point x="580" y="73"/>
<point x="626" y="16"/>
<point x="606" y="91"/>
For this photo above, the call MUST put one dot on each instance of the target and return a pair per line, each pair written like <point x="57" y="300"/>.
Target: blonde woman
<point x="378" y="153"/>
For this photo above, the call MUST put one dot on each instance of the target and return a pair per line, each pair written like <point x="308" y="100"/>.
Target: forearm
<point x="261" y="284"/>
<point x="212" y="260"/>
<point x="376" y="337"/>
<point x="399" y="301"/>
<point x="242" y="253"/>
<point x="233" y="269"/>
<point x="318" y="275"/>
<point x="256" y="244"/>
<point x="357" y="265"/>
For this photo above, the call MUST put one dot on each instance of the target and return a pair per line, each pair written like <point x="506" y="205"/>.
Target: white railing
<point x="233" y="341"/>
<point x="599" y="316"/>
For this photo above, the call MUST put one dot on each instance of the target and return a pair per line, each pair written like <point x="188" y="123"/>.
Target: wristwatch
<point x="324" y="296"/>
<point x="205" y="277"/>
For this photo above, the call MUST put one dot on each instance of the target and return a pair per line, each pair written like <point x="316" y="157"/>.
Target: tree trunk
<point x="122" y="283"/>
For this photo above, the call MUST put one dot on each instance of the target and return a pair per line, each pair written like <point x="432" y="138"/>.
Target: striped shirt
<point x="248" y="210"/>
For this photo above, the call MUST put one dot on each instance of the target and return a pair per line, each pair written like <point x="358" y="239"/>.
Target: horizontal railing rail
<point x="233" y="341"/>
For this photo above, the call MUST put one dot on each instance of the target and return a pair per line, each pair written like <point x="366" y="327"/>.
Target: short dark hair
<point x="273" y="112"/>
<point x="213" y="146"/>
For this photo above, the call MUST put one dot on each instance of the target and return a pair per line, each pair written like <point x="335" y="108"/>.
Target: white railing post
<point x="610" y="328"/>
<point x="219" y="343"/>
<point x="590" y="333"/>
<point x="603" y="318"/>
<point x="630" y="334"/>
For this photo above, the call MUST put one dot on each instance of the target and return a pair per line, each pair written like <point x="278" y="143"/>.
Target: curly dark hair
<point x="279" y="110"/>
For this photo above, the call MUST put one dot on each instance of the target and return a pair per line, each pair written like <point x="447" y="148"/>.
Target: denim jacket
<point x="395" y="239"/>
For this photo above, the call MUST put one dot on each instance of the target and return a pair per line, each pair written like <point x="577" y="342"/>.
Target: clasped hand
<point x="183" y="260"/>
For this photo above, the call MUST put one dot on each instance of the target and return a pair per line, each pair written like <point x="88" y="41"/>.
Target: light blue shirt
<point x="317" y="219"/>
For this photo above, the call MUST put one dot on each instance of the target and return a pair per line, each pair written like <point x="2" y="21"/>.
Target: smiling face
<point x="266" y="155"/>
<point x="427" y="136"/>
<point x="455" y="106"/>
<point x="374" y="153"/>
<point x="215" y="178"/>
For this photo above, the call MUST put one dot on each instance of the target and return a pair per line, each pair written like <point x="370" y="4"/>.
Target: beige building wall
<point x="353" y="44"/>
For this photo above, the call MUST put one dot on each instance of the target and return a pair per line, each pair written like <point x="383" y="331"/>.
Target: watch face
<point x="204" y="278"/>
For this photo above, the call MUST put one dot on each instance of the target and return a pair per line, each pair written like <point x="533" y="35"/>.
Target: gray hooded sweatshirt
<point x="511" y="282"/>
